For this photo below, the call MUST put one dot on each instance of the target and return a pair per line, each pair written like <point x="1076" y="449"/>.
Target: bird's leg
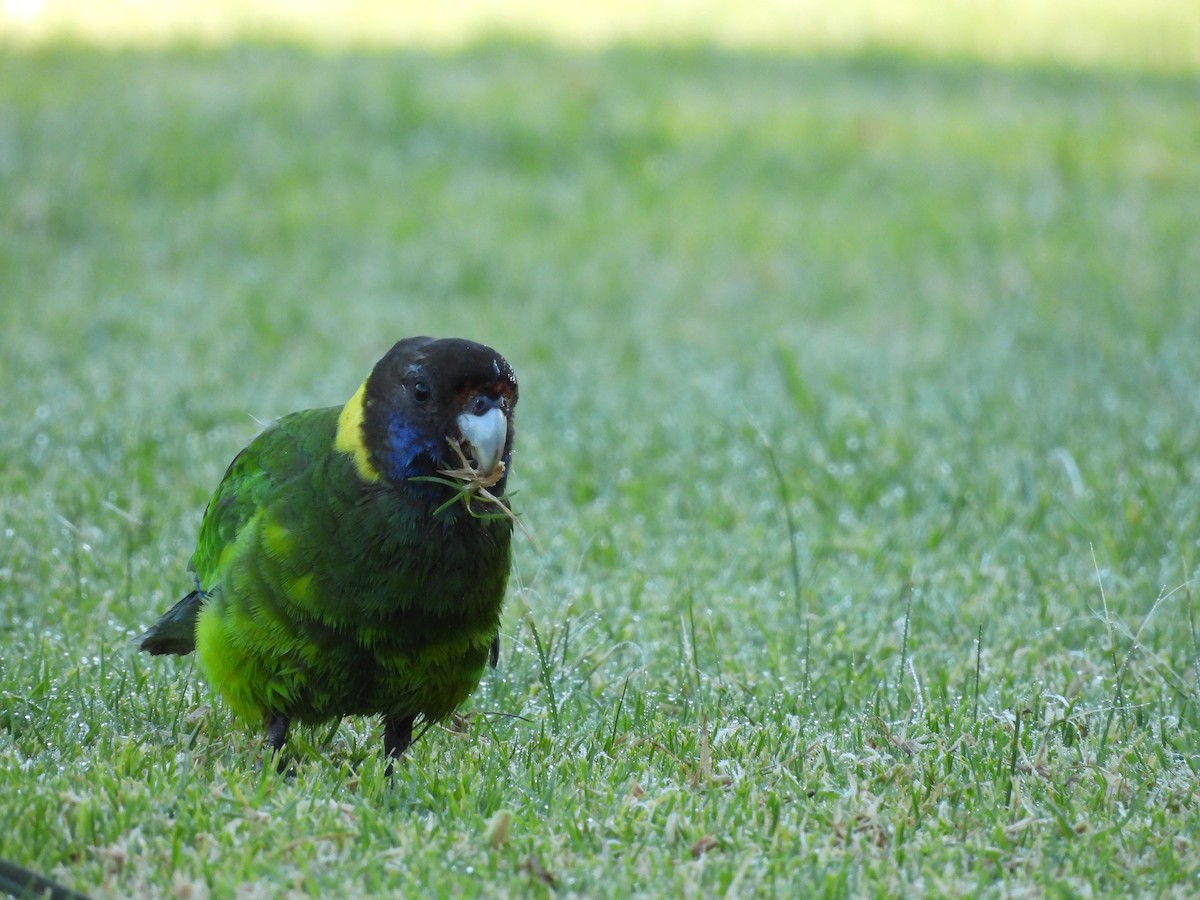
<point x="277" y="729"/>
<point x="397" y="735"/>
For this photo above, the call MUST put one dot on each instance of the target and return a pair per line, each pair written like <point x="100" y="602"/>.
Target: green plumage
<point x="334" y="578"/>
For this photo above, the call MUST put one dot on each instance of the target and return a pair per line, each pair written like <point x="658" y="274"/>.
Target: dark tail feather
<point x="18" y="882"/>
<point x="175" y="632"/>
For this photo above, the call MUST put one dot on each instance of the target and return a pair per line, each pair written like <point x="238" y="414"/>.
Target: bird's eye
<point x="420" y="392"/>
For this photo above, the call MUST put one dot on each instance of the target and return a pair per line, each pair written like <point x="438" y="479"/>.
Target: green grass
<point x="942" y="312"/>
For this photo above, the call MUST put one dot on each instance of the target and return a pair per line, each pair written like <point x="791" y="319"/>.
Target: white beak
<point x="486" y="434"/>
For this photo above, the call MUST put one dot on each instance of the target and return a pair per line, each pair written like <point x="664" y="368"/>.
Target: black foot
<point x="277" y="729"/>
<point x="397" y="735"/>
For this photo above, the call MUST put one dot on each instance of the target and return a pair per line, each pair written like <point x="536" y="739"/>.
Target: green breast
<point x="333" y="597"/>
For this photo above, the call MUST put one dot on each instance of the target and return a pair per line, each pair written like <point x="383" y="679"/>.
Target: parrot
<point x="353" y="560"/>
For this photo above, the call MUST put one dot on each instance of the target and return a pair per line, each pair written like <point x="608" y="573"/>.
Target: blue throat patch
<point x="409" y="454"/>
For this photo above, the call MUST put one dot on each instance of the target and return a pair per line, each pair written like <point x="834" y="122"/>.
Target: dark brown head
<point x="423" y="399"/>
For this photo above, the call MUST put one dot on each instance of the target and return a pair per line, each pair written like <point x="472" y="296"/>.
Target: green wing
<point x="277" y="457"/>
<point x="274" y="459"/>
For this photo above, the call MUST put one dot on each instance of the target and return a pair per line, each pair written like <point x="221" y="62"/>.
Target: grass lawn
<point x="859" y="437"/>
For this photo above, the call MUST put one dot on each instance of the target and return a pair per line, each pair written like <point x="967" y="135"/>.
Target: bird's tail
<point x="175" y="632"/>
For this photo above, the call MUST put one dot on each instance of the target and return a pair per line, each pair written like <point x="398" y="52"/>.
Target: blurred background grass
<point x="940" y="262"/>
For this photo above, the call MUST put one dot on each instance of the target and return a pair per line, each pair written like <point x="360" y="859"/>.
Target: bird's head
<point x="432" y="408"/>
